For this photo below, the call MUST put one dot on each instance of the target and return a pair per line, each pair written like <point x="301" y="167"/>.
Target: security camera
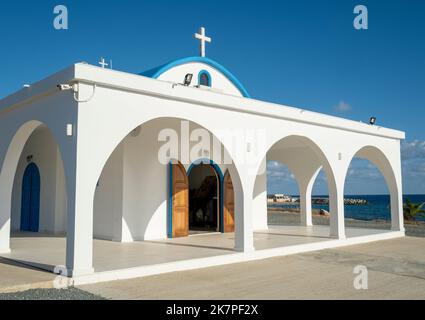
<point x="63" y="87"/>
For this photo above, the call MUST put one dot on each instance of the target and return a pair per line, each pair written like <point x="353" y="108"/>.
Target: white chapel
<point x="114" y="175"/>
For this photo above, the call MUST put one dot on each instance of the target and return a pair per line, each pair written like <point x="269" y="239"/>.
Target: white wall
<point x="107" y="207"/>
<point x="46" y="156"/>
<point x="145" y="187"/>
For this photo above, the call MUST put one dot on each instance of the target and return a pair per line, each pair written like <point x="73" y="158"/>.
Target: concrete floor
<point x="46" y="252"/>
<point x="396" y="270"/>
<point x="16" y="277"/>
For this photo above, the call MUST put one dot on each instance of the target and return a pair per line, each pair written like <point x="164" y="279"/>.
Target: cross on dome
<point x="203" y="39"/>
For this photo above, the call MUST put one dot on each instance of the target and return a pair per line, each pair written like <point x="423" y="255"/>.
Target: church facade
<point x="93" y="153"/>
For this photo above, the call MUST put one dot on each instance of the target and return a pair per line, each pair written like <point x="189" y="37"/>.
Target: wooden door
<point x="229" y="204"/>
<point x="180" y="201"/>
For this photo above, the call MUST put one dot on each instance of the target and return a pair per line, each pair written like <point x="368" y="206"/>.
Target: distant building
<point x="279" y="198"/>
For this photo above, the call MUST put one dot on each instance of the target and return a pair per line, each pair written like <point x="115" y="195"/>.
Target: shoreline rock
<point x="324" y="213"/>
<point x="316" y="213"/>
<point x="347" y="201"/>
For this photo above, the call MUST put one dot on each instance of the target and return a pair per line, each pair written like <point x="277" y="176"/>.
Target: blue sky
<point x="308" y="51"/>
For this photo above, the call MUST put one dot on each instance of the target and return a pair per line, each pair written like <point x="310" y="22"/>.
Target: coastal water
<point x="377" y="207"/>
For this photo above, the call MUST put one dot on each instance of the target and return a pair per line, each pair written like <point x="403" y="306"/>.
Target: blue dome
<point x="156" y="72"/>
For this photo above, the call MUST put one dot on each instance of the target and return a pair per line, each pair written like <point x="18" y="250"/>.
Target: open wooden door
<point x="180" y="201"/>
<point x="229" y="204"/>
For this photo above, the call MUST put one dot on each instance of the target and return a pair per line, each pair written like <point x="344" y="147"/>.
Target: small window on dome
<point x="204" y="79"/>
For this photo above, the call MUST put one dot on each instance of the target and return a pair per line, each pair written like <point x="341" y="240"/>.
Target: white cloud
<point x="343" y="107"/>
<point x="413" y="150"/>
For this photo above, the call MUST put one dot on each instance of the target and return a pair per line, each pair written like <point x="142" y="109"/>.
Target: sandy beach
<point x="286" y="216"/>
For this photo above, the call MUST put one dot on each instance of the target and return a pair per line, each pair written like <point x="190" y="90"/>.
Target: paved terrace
<point x="46" y="252"/>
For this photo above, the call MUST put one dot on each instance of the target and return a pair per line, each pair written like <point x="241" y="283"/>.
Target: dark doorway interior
<point x="203" y="199"/>
<point x="30" y="205"/>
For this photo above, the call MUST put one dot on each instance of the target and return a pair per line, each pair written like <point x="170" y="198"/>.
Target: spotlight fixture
<point x="188" y="79"/>
<point x="372" y="120"/>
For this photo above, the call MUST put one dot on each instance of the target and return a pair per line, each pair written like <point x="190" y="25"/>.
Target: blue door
<point x="30" y="207"/>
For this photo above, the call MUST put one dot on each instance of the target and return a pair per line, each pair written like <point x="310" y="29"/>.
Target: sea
<point x="377" y="207"/>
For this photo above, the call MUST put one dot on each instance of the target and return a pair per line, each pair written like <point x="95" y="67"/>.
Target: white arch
<point x="233" y="170"/>
<point x="306" y="168"/>
<point x="8" y="172"/>
<point x="377" y="157"/>
<point x="291" y="140"/>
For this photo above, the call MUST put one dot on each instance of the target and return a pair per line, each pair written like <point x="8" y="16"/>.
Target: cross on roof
<point x="103" y="63"/>
<point x="203" y="39"/>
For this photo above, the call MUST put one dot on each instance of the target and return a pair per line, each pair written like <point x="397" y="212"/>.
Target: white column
<point x="259" y="213"/>
<point x="6" y="185"/>
<point x="336" y="206"/>
<point x="5" y="237"/>
<point x="305" y="206"/>
<point x="5" y="214"/>
<point x="306" y="178"/>
<point x="79" y="244"/>
<point x="244" y="233"/>
<point x="397" y="218"/>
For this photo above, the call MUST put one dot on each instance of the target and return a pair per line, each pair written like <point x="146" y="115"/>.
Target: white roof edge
<point x="37" y="89"/>
<point x="144" y="85"/>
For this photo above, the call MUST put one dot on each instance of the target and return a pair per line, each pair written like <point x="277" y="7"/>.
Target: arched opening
<point x="39" y="188"/>
<point x="204" y="199"/>
<point x="204" y="78"/>
<point x="34" y="197"/>
<point x="294" y="186"/>
<point x="141" y="194"/>
<point x="320" y="200"/>
<point x="371" y="198"/>
<point x="282" y="195"/>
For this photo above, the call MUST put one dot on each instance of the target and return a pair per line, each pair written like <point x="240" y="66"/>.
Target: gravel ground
<point x="51" y="294"/>
<point x="413" y="229"/>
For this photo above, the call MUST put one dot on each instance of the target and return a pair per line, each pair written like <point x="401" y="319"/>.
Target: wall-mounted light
<point x="372" y="120"/>
<point x="69" y="130"/>
<point x="30" y="158"/>
<point x="188" y="79"/>
<point x="248" y="147"/>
